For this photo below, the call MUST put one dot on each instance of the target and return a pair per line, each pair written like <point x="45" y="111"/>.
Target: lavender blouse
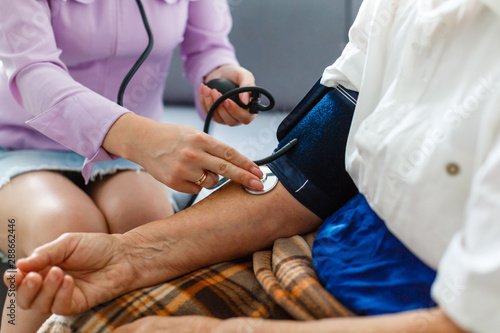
<point x="62" y="63"/>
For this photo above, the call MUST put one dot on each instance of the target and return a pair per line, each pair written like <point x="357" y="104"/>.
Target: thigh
<point x="45" y="205"/>
<point x="129" y="199"/>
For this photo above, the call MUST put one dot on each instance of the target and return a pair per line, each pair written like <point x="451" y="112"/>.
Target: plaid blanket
<point x="279" y="283"/>
<point x="286" y="274"/>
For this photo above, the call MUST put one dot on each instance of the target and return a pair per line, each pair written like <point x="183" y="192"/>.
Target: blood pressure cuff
<point x="314" y="170"/>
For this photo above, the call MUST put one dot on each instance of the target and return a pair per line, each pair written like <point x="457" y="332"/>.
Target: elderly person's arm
<point x="78" y="271"/>
<point x="418" y="321"/>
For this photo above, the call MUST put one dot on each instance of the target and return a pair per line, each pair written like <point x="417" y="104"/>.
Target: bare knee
<point x="129" y="199"/>
<point x="124" y="213"/>
<point x="57" y="219"/>
<point x="45" y="205"/>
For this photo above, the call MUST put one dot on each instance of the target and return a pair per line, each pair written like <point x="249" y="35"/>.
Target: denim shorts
<point x="16" y="162"/>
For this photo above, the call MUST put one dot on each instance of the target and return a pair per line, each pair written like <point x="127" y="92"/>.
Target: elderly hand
<point x="229" y="112"/>
<point x="95" y="270"/>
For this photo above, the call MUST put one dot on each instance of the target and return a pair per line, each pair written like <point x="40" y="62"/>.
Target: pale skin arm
<point x="418" y="321"/>
<point x="94" y="268"/>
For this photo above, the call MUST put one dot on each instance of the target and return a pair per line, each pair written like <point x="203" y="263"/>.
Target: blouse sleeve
<point x="347" y="70"/>
<point x="63" y="109"/>
<point x="206" y="44"/>
<point x="467" y="286"/>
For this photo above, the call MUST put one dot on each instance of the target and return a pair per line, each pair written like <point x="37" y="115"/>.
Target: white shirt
<point x="424" y="145"/>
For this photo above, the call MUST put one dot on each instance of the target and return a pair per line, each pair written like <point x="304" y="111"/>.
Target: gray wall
<point x="285" y="43"/>
<point x="354" y="6"/>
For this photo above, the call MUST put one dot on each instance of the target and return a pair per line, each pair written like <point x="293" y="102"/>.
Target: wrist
<point x="125" y="135"/>
<point x="116" y="140"/>
<point x="149" y="256"/>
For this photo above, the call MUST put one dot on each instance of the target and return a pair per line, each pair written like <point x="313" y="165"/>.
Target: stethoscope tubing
<point x="254" y="106"/>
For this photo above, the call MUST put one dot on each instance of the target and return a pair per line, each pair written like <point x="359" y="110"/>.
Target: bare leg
<point x="44" y="205"/>
<point x="129" y="199"/>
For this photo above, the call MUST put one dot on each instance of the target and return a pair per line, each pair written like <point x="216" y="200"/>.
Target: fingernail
<point x="257" y="171"/>
<point x="256" y="185"/>
<point x="245" y="99"/>
<point x="66" y="282"/>
<point x="205" y="90"/>
<point x="30" y="284"/>
<point x="53" y="276"/>
<point x="215" y="94"/>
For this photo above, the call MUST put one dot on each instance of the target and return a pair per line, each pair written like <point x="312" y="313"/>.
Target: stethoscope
<point x="228" y="90"/>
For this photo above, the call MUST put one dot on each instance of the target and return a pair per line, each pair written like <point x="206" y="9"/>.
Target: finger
<point x="210" y="147"/>
<point x="207" y="101"/>
<point x="43" y="302"/>
<point x="246" y="79"/>
<point x="13" y="277"/>
<point x="50" y="254"/>
<point x="217" y="118"/>
<point x="207" y="104"/>
<point x="221" y="115"/>
<point x="226" y="116"/>
<point x="187" y="186"/>
<point x="205" y="97"/>
<point x="244" y="98"/>
<point x="229" y="154"/>
<point x="242" y="77"/>
<point x="242" y="116"/>
<point x="229" y="170"/>
<point x="28" y="290"/>
<point x="222" y="112"/>
<point x="63" y="301"/>
<point x="211" y="179"/>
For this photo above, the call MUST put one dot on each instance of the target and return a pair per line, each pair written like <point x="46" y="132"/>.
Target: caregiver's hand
<point x="95" y="270"/>
<point x="229" y="112"/>
<point x="178" y="155"/>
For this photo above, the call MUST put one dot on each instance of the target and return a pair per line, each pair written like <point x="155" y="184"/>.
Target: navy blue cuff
<point x="314" y="170"/>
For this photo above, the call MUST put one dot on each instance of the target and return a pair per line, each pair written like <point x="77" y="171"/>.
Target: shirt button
<point x="452" y="169"/>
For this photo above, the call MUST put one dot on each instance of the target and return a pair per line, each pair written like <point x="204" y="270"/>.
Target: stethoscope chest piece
<point x="269" y="181"/>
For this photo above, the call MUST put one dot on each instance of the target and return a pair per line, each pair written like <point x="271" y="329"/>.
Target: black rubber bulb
<point x="223" y="86"/>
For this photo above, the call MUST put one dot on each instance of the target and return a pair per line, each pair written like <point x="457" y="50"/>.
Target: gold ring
<point x="202" y="179"/>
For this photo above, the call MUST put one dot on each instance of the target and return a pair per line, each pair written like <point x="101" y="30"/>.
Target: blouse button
<point x="452" y="169"/>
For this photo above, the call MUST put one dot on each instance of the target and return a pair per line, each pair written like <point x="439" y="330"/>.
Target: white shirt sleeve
<point x="467" y="287"/>
<point x="347" y="70"/>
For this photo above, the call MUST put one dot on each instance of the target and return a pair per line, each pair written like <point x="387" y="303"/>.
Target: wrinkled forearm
<point x="228" y="224"/>
<point x="418" y="321"/>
